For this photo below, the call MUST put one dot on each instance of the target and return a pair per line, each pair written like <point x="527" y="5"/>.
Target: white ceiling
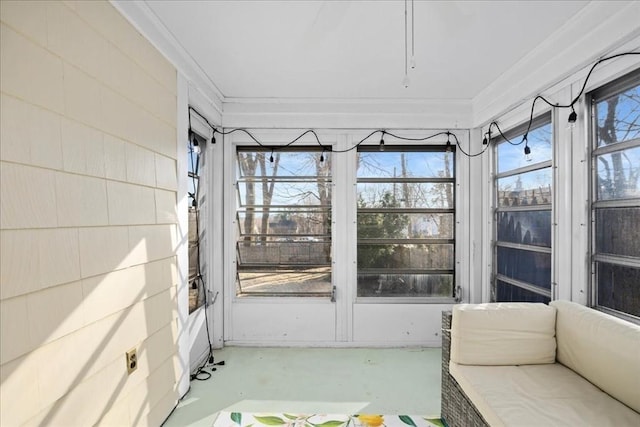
<point x="355" y="49"/>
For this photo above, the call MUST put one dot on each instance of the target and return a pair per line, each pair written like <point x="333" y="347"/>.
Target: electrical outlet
<point x="132" y="360"/>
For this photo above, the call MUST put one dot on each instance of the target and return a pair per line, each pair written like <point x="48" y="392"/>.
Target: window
<point x="615" y="205"/>
<point x="194" y="162"/>
<point x="405" y="222"/>
<point x="283" y="222"/>
<point x="523" y="201"/>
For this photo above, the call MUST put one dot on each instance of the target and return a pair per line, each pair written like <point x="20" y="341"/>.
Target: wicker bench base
<point x="456" y="408"/>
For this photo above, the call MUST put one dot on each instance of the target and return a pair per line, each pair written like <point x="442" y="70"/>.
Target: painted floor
<point x="317" y="380"/>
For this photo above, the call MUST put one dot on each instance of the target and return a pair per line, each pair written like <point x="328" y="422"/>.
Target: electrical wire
<point x="200" y="374"/>
<point x="497" y="126"/>
<point x="201" y="116"/>
<point x="493" y="124"/>
<point x="480" y="153"/>
<point x="552" y="105"/>
<point x="328" y="148"/>
<point x="406" y="138"/>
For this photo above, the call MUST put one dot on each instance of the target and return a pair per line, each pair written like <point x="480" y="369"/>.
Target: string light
<point x="271" y="156"/>
<point x="486" y="141"/>
<point x="193" y="140"/>
<point x="573" y="116"/>
<point x="330" y="148"/>
<point x="213" y="135"/>
<point x="527" y="149"/>
<point x="322" y="155"/>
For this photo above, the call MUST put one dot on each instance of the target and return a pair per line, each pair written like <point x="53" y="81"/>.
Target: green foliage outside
<point x="380" y="226"/>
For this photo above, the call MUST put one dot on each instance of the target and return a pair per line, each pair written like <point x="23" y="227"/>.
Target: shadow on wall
<point x="76" y="369"/>
<point x="88" y="218"/>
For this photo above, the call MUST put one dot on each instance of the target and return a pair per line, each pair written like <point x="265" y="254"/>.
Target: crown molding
<point x="346" y="113"/>
<point x="599" y="29"/>
<point x="140" y="15"/>
<point x="288" y="112"/>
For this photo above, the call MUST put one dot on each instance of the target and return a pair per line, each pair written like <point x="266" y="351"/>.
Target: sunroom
<point x="179" y="177"/>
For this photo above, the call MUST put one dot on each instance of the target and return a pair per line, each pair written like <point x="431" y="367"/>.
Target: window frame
<point x="518" y="131"/>
<point x="620" y="85"/>
<point x="456" y="289"/>
<point x="196" y="164"/>
<point x="239" y="207"/>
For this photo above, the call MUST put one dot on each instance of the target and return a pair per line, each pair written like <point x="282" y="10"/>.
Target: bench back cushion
<point x="602" y="348"/>
<point x="503" y="334"/>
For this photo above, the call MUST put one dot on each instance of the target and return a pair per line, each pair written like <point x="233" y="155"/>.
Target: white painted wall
<point x="600" y="28"/>
<point x="348" y="321"/>
<point x="90" y="255"/>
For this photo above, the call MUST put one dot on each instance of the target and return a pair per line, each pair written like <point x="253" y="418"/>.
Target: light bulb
<point x="196" y="149"/>
<point x="406" y="81"/>
<point x="527" y="153"/>
<point x="573" y="116"/>
<point x="413" y="62"/>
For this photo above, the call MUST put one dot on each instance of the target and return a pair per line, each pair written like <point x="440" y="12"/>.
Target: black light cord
<point x="406" y="138"/>
<point x="203" y="118"/>
<point x="329" y="148"/>
<point x="584" y="85"/>
<point x="480" y="153"/>
<point x="200" y="374"/>
<point x="497" y="126"/>
<point x="552" y="105"/>
<point x="383" y="132"/>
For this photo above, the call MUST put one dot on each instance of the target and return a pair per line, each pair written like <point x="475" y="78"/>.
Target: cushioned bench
<point x="526" y="364"/>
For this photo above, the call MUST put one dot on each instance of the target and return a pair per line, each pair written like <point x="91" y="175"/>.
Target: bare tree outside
<point x="284" y="241"/>
<point x="619" y="174"/>
<point x="617" y="225"/>
<point x="405" y="223"/>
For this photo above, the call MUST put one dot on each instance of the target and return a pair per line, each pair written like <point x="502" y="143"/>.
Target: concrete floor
<point x="317" y="380"/>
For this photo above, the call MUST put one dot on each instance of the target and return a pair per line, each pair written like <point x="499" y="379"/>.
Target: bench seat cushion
<point x="503" y="334"/>
<point x="539" y="395"/>
<point x="602" y="348"/>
